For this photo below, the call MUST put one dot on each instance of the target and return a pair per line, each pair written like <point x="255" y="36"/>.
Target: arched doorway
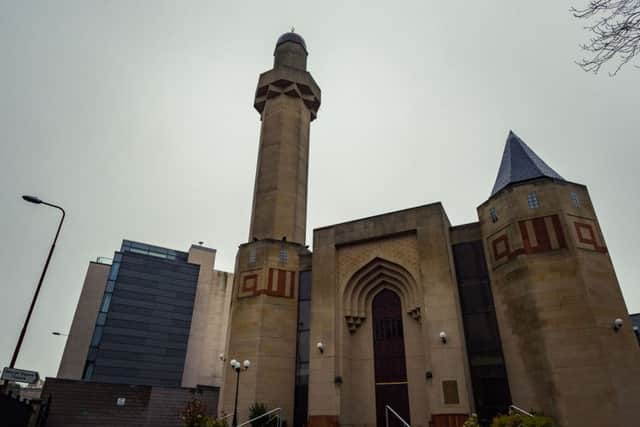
<point x="389" y="357"/>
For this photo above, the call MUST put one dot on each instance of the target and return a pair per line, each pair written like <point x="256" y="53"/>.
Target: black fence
<point x="16" y="412"/>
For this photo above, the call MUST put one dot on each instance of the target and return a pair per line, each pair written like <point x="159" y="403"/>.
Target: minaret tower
<point x="287" y="99"/>
<point x="263" y="320"/>
<point x="557" y="297"/>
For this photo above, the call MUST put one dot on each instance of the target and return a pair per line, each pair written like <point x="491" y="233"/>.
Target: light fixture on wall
<point x="443" y="337"/>
<point x="221" y="357"/>
<point x="617" y="324"/>
<point x="320" y="347"/>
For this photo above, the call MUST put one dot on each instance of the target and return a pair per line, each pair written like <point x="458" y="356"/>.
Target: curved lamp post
<point x="237" y="366"/>
<point x="37" y="201"/>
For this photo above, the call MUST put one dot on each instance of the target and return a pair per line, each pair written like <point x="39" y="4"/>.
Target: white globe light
<point x="234" y="362"/>
<point x="246" y="364"/>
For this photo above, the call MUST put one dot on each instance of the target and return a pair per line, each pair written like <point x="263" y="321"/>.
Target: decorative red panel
<point x="542" y="234"/>
<point x="250" y="283"/>
<point x="501" y="247"/>
<point x="587" y="236"/>
<point x="535" y="235"/>
<point x="279" y="283"/>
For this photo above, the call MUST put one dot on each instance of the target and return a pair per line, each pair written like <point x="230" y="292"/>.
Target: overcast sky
<point x="137" y="117"/>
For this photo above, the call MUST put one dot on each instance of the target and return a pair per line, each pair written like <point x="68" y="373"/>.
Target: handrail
<point x="522" y="411"/>
<point x="225" y="417"/>
<point x="261" y="416"/>
<point x="388" y="408"/>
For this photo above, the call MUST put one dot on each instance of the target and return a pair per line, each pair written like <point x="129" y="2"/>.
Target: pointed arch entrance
<point x="389" y="357"/>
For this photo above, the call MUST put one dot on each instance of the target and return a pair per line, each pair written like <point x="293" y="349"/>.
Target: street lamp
<point x="237" y="366"/>
<point x="37" y="201"/>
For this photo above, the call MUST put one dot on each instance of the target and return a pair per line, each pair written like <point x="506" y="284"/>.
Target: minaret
<point x="557" y="297"/>
<point x="264" y="309"/>
<point x="287" y="99"/>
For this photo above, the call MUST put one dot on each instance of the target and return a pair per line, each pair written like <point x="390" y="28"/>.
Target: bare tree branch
<point x="615" y="33"/>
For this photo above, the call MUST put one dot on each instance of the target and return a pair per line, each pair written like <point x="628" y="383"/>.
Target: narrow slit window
<point x="493" y="214"/>
<point x="283" y="255"/>
<point x="575" y="200"/>
<point x="532" y="200"/>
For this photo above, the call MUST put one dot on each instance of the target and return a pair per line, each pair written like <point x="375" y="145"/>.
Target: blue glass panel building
<point x="142" y="328"/>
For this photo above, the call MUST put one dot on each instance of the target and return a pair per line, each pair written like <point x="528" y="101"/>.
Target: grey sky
<point x="137" y="117"/>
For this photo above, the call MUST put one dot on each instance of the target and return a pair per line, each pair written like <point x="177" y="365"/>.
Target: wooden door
<point x="389" y="357"/>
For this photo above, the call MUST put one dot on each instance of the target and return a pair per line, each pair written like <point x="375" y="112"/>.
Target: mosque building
<point x="399" y="315"/>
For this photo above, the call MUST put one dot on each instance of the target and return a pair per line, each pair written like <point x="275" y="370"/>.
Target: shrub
<point x="217" y="423"/>
<point x="472" y="421"/>
<point x="522" y="421"/>
<point x="258" y="409"/>
<point x="195" y="414"/>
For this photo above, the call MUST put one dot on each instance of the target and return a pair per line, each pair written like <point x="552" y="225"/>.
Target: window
<point x="113" y="273"/>
<point x="252" y="256"/>
<point x="91" y="355"/>
<point x="283" y="255"/>
<point x="388" y="328"/>
<point x="110" y="286"/>
<point x="143" y="249"/>
<point x="303" y="347"/>
<point x="88" y="371"/>
<point x="106" y="301"/>
<point x="493" y="214"/>
<point x="97" y="336"/>
<point x="532" y="200"/>
<point x="574" y="199"/>
<point x="102" y="318"/>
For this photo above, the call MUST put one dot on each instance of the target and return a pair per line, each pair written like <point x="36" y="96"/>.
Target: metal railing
<point x="275" y="414"/>
<point x="225" y="417"/>
<point x="388" y="409"/>
<point x="521" y="411"/>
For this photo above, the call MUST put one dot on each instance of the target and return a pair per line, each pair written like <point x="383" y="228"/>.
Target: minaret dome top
<point x="291" y="51"/>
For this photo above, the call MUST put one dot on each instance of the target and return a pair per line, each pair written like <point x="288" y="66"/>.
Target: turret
<point x="556" y="296"/>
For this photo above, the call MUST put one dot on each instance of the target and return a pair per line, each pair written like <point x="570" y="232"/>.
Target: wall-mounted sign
<point x="19" y="375"/>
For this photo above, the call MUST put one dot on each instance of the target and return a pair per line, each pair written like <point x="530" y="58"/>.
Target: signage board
<point x="19" y="375"/>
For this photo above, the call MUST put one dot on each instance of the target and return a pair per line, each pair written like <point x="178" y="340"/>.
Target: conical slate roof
<point x="520" y="163"/>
